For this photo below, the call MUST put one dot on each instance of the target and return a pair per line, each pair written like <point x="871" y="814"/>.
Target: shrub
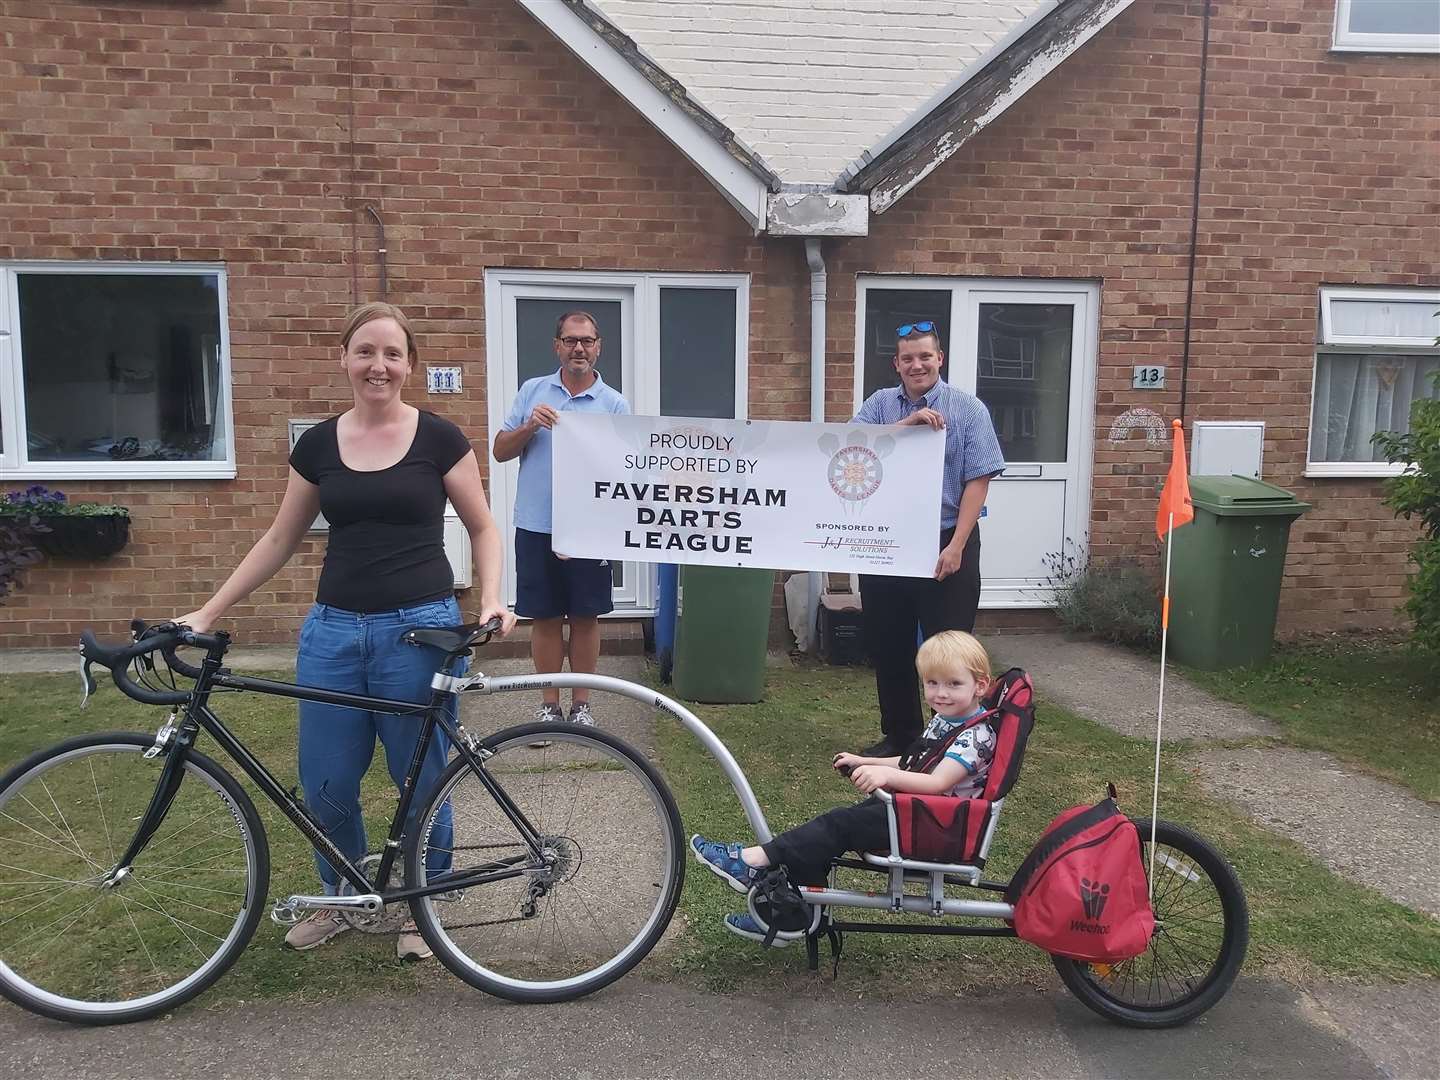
<point x="1416" y="494"/>
<point x="1117" y="600"/>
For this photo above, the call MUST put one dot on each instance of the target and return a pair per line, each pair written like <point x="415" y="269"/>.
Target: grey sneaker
<point x="548" y="713"/>
<point x="580" y="714"/>
<point x="315" y="930"/>
<point x="410" y="945"/>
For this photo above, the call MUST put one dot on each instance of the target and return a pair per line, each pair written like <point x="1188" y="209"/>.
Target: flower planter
<point x="83" y="537"/>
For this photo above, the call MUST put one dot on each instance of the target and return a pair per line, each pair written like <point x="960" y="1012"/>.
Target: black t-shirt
<point x="387" y="527"/>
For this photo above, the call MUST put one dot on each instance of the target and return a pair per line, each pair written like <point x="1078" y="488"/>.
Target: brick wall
<point x="221" y="132"/>
<point x="1320" y="169"/>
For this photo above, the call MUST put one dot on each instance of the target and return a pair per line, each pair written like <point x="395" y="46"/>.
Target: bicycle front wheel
<point x="586" y="907"/>
<point x="76" y="943"/>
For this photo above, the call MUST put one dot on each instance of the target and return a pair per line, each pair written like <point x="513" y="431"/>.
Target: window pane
<point x="1358" y="394"/>
<point x="1023" y="376"/>
<point x="122" y="367"/>
<point x="1394" y="17"/>
<point x="885" y="309"/>
<point x="535" y="336"/>
<point x="1385" y="318"/>
<point x="697" y="352"/>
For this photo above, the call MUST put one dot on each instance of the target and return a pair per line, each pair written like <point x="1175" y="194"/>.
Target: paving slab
<point x="1361" y="827"/>
<point x="1119" y="688"/>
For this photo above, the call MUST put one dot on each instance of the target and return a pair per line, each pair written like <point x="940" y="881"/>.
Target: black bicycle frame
<point x="198" y="716"/>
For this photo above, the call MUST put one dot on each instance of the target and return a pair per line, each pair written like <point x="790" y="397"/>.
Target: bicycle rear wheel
<point x="596" y="898"/>
<point x="1202" y="929"/>
<point x="72" y="948"/>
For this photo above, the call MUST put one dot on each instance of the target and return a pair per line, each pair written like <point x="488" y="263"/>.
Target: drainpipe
<point x="817" y="393"/>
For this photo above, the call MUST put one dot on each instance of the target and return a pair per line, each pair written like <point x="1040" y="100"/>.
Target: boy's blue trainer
<point x="724" y="861"/>
<point x="745" y="925"/>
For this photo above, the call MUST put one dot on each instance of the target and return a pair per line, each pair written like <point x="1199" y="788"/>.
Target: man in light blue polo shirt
<point x="892" y="606"/>
<point x="550" y="588"/>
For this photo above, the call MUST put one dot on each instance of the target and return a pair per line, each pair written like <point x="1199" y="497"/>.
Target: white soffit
<point x="810" y="85"/>
<point x="744" y="190"/>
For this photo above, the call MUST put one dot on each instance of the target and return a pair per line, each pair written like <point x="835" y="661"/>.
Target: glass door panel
<point x="1022" y="374"/>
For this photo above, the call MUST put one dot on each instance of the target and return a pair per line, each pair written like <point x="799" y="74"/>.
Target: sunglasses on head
<point x="926" y="327"/>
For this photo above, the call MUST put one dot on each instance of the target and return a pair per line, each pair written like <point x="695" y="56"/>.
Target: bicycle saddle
<point x="451" y="639"/>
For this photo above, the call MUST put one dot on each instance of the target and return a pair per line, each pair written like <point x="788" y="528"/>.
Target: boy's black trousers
<point x="807" y="851"/>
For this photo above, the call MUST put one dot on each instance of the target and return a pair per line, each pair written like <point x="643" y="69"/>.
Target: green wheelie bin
<point x="721" y="629"/>
<point x="1226" y="571"/>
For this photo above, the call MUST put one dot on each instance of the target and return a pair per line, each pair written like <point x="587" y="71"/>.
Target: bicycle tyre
<point x="101" y="965"/>
<point x="617" y="864"/>
<point x="1202" y="931"/>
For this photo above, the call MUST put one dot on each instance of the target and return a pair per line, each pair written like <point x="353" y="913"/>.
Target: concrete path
<point x="802" y="1028"/>
<point x="1118" y="688"/>
<point x="1362" y="828"/>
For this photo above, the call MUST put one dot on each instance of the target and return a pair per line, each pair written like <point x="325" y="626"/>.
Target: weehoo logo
<point x="1093" y="896"/>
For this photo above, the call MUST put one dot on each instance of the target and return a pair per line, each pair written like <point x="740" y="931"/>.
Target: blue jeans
<point x="363" y="654"/>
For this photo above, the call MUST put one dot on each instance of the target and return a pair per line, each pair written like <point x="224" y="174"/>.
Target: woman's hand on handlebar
<point x="197" y="621"/>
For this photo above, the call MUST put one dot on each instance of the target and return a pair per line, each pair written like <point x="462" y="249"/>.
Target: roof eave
<point x="918" y="147"/>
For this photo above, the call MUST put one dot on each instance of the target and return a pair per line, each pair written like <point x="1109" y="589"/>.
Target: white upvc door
<point x="674" y="344"/>
<point x="1028" y="350"/>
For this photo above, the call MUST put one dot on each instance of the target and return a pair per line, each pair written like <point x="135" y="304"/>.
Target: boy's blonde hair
<point x="950" y="651"/>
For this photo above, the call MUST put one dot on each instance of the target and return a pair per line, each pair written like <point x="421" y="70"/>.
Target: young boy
<point x="956" y="672"/>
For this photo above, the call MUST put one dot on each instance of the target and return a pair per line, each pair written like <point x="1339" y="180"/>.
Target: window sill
<point x="1352" y="470"/>
<point x="1388" y="50"/>
<point x="124" y="470"/>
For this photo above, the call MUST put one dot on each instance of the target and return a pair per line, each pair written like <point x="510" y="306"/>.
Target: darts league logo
<point x="854" y="473"/>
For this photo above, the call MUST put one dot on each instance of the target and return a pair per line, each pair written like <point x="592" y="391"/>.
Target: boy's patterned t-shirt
<point x="973" y="748"/>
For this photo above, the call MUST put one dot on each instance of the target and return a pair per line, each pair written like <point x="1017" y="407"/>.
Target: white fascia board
<point x="741" y="188"/>
<point x="818" y="213"/>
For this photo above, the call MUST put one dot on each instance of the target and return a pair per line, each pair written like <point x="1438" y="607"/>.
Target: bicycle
<point x="545" y="863"/>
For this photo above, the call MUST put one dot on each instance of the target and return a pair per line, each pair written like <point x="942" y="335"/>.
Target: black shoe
<point x="883" y="748"/>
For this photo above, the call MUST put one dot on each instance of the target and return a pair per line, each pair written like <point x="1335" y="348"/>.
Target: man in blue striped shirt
<point x="894" y="606"/>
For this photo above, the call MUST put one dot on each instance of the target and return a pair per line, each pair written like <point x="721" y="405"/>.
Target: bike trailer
<point x="1082" y="891"/>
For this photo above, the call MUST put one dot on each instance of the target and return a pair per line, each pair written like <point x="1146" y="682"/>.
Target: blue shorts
<point x="548" y="587"/>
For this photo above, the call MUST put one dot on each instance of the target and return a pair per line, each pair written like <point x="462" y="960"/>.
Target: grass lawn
<point x="1306" y="921"/>
<point x="1369" y="701"/>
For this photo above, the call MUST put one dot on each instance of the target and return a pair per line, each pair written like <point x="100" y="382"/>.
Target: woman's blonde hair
<point x="378" y="309"/>
<point x="950" y="651"/>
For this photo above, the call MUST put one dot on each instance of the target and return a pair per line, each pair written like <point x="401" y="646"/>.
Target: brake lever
<point x="87" y="683"/>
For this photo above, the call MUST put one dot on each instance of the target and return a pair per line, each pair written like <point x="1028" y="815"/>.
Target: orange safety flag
<point x="1175" y="495"/>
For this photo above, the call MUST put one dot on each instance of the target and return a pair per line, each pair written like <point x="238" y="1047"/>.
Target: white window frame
<point x="14" y="461"/>
<point x="641" y="365"/>
<point x="1358" y="343"/>
<point x="1347" y="40"/>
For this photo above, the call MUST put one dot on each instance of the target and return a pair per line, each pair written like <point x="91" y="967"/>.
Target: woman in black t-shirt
<point x="380" y="472"/>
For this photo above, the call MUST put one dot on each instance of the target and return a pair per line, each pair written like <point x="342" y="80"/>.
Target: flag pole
<point x="1160" y="710"/>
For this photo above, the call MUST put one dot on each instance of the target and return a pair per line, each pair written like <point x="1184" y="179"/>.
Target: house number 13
<point x="1149" y="377"/>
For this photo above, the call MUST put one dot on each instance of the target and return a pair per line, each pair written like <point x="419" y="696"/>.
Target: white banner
<point x="855" y="498"/>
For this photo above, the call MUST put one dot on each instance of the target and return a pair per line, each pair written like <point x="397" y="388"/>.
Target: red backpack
<point x="1082" y="891"/>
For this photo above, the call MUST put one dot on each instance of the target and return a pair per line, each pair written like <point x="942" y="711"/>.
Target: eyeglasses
<point x="926" y="327"/>
<point x="571" y="342"/>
